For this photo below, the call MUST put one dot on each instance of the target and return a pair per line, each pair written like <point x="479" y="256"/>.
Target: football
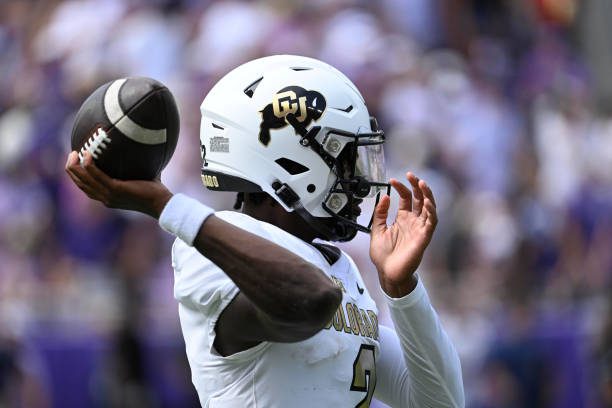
<point x="130" y="126"/>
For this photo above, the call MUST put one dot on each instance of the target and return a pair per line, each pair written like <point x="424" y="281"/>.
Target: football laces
<point x="95" y="144"/>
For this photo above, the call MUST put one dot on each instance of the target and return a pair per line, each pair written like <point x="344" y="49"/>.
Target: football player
<point x="272" y="314"/>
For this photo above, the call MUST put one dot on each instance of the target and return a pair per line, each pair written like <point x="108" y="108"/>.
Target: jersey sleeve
<point x="417" y="366"/>
<point x="198" y="282"/>
<point x="203" y="291"/>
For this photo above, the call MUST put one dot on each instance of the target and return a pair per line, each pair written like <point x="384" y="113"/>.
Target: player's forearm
<point x="280" y="283"/>
<point x="431" y="359"/>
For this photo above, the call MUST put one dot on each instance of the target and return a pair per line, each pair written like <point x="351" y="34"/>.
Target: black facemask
<point x="341" y="225"/>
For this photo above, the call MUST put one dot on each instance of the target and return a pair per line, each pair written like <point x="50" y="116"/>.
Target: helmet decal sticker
<point x="305" y="105"/>
<point x="219" y="144"/>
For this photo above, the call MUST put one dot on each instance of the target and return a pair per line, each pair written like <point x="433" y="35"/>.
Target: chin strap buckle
<point x="285" y="193"/>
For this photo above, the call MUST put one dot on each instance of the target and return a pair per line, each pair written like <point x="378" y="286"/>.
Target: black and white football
<point x="130" y="126"/>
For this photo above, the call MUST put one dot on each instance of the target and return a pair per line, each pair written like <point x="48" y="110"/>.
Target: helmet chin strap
<point x="340" y="231"/>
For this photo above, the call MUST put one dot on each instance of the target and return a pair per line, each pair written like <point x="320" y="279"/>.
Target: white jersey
<point x="334" y="368"/>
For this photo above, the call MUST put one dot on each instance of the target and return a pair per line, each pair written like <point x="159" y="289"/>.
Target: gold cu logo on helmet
<point x="305" y="105"/>
<point x="288" y="102"/>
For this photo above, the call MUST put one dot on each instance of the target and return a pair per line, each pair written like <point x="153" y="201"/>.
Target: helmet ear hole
<point x="291" y="167"/>
<point x="311" y="188"/>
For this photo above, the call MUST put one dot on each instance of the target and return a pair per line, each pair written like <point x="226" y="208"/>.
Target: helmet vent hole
<point x="291" y="167"/>
<point x="301" y="68"/>
<point x="217" y="126"/>
<point x="311" y="188"/>
<point x="250" y="90"/>
<point x="345" y="110"/>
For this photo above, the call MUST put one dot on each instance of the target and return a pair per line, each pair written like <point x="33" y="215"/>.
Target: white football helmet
<point x="299" y="130"/>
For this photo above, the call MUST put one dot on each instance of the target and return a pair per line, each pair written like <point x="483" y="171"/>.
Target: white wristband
<point x="183" y="216"/>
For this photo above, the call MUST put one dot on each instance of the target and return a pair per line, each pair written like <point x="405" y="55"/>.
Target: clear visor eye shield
<point x="360" y="174"/>
<point x="359" y="168"/>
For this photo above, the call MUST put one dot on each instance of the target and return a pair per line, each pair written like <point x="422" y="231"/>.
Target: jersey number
<point x="364" y="374"/>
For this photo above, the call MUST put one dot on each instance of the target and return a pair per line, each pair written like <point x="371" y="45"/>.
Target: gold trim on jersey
<point x="338" y="283"/>
<point x="374" y="321"/>
<point x="359" y="322"/>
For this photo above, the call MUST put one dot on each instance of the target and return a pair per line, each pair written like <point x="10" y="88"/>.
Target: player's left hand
<point x="397" y="249"/>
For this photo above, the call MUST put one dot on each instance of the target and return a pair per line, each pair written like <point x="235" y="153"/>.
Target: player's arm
<point x="429" y="374"/>
<point x="417" y="366"/>
<point x="282" y="297"/>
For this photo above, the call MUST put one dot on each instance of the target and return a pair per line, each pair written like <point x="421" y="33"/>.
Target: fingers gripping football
<point x="84" y="176"/>
<point x="148" y="197"/>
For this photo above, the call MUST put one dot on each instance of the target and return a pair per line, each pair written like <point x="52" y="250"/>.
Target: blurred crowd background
<point x="504" y="106"/>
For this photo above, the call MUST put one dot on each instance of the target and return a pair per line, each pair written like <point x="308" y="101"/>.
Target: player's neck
<point x="274" y="214"/>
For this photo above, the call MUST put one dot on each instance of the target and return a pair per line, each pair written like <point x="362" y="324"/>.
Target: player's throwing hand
<point x="148" y="197"/>
<point x="397" y="249"/>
